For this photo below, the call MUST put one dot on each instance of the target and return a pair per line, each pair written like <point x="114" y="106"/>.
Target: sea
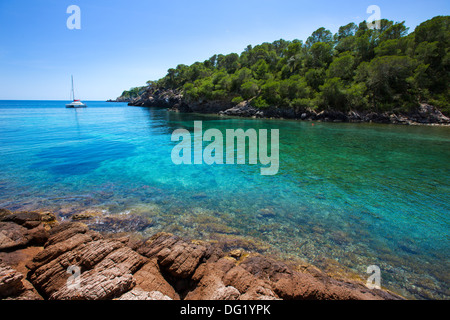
<point x="346" y="196"/>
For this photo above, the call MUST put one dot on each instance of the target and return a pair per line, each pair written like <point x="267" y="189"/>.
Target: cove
<point x="346" y="197"/>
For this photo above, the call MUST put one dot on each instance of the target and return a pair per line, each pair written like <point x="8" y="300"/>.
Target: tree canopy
<point x="357" y="68"/>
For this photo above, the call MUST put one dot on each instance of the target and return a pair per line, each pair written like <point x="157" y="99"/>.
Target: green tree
<point x="342" y="67"/>
<point x="320" y="35"/>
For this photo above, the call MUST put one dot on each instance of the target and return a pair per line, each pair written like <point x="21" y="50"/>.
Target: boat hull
<point x="76" y="105"/>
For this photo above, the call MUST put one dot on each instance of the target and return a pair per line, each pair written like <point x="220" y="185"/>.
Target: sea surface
<point x="347" y="196"/>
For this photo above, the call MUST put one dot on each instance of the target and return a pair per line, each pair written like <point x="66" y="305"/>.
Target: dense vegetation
<point x="357" y="68"/>
<point x="133" y="93"/>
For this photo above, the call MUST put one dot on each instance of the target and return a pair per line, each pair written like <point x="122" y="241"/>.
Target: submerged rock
<point x="28" y="220"/>
<point x="4" y="213"/>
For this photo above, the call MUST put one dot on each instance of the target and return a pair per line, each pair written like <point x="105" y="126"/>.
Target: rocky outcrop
<point x="14" y="286"/>
<point x="22" y="229"/>
<point x="424" y="114"/>
<point x="150" y="279"/>
<point x="120" y="99"/>
<point x="156" y="97"/>
<point x="77" y="263"/>
<point x="138" y="294"/>
<point x="173" y="99"/>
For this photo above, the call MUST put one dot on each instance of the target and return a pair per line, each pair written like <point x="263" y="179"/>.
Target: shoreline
<point x="424" y="114"/>
<point x="162" y="266"/>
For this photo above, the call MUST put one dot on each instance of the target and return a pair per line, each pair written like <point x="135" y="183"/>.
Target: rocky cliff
<point x="38" y="256"/>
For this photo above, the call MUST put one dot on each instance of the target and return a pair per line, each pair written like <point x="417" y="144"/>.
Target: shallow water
<point x="347" y="195"/>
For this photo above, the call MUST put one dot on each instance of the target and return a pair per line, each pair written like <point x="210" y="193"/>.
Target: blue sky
<point x="123" y="44"/>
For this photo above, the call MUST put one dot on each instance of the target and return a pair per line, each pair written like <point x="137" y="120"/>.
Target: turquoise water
<point x="347" y="195"/>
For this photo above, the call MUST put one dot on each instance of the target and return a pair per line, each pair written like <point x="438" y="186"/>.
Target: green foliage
<point x="356" y="69"/>
<point x="133" y="92"/>
<point x="342" y="67"/>
<point x="333" y="94"/>
<point x="237" y="100"/>
<point x="249" y="89"/>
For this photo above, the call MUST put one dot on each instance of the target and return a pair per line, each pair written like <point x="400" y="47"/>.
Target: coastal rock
<point x="52" y="276"/>
<point x="149" y="279"/>
<point x="137" y="294"/>
<point x="10" y="282"/>
<point x="224" y="280"/>
<point x="86" y="215"/>
<point x="429" y="114"/>
<point x="102" y="285"/>
<point x="155" y="97"/>
<point x="243" y="109"/>
<point x="175" y="255"/>
<point x="65" y="231"/>
<point x="14" y="286"/>
<point x="109" y="279"/>
<point x="55" y="250"/>
<point x="28" y="220"/>
<point x="12" y="236"/>
<point x="174" y="100"/>
<point x="292" y="285"/>
<point x="121" y="223"/>
<point x="226" y="293"/>
<point x="48" y="217"/>
<point x="4" y="213"/>
<point x="209" y="280"/>
<point x="38" y="236"/>
<point x="162" y="267"/>
<point x="265" y="268"/>
<point x="251" y="287"/>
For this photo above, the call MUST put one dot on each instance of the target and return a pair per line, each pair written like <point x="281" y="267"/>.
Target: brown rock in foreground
<point x="13" y="285"/>
<point x="77" y="263"/>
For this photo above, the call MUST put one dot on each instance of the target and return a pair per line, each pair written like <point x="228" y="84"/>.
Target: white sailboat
<point x="76" y="103"/>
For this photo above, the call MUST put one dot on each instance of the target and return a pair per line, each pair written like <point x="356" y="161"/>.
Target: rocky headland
<point x="425" y="114"/>
<point x="39" y="253"/>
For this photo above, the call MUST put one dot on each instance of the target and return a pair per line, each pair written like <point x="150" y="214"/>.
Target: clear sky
<point x="122" y="44"/>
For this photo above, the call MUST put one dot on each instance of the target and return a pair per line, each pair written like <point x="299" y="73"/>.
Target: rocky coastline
<point x="425" y="114"/>
<point x="39" y="253"/>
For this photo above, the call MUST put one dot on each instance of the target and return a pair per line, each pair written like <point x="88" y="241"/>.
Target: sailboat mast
<point x="73" y="91"/>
